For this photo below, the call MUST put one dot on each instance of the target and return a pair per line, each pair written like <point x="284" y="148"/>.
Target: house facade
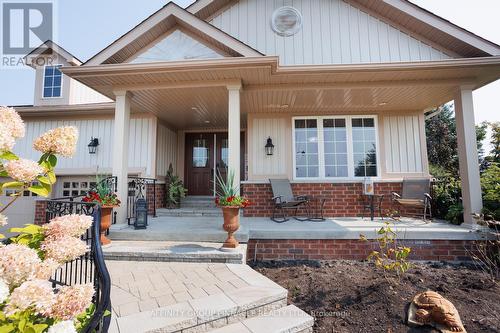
<point x="341" y="87"/>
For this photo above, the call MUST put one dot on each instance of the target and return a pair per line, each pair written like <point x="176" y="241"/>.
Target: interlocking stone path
<point x="192" y="297"/>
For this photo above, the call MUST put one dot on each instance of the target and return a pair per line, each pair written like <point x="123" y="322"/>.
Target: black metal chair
<point x="415" y="193"/>
<point x="284" y="200"/>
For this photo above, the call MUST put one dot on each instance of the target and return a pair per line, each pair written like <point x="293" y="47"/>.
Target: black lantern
<point x="94" y="142"/>
<point x="269" y="147"/>
<point x="141" y="214"/>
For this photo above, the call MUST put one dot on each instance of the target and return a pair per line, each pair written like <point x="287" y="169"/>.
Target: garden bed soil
<point x="351" y="296"/>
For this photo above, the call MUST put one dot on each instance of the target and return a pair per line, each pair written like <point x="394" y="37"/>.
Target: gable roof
<point x="402" y="13"/>
<point x="156" y="25"/>
<point x="48" y="45"/>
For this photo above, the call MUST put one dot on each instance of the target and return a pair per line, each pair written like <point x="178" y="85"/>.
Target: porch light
<point x="141" y="214"/>
<point x="94" y="142"/>
<point x="269" y="147"/>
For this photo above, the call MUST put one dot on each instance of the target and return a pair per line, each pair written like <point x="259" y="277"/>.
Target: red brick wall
<point x="343" y="199"/>
<point x="40" y="211"/>
<point x="160" y="197"/>
<point x="334" y="249"/>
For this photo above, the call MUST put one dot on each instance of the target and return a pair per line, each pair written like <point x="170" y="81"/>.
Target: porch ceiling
<point x="193" y="94"/>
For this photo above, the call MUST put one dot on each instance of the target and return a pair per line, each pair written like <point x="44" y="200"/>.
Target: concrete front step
<point x="289" y="319"/>
<point x="190" y="212"/>
<point x="257" y="297"/>
<point x="173" y="252"/>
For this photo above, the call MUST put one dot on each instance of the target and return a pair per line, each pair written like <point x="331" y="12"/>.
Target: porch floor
<point x="209" y="229"/>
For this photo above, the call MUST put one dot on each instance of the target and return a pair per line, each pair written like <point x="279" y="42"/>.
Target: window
<point x="335" y="147"/>
<point x="75" y="188"/>
<point x="52" y="82"/>
<point x="200" y="153"/>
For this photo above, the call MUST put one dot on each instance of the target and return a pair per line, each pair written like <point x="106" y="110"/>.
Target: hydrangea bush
<point x="28" y="301"/>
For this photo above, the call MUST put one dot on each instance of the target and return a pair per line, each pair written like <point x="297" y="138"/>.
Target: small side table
<point x="315" y="207"/>
<point x="372" y="202"/>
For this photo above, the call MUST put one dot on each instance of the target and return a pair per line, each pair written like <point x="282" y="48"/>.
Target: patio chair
<point x="415" y="194"/>
<point x="284" y="199"/>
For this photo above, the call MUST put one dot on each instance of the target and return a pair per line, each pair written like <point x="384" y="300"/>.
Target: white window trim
<point x="321" y="153"/>
<point x="43" y="80"/>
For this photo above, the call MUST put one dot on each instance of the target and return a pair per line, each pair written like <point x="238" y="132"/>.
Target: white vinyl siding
<point x="139" y="149"/>
<point x="402" y="142"/>
<point x="166" y="151"/>
<point x="333" y="32"/>
<point x="262" y="164"/>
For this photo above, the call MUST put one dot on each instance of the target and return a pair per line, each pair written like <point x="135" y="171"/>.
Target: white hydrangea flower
<point x="23" y="170"/>
<point x="66" y="326"/>
<point x="6" y="139"/>
<point x="10" y="118"/>
<point x="60" y="141"/>
<point x="4" y="291"/>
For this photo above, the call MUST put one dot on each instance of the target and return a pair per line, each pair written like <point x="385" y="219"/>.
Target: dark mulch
<point x="350" y="296"/>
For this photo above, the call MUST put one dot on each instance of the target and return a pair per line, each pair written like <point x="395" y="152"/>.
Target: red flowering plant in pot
<point x="230" y="202"/>
<point x="104" y="196"/>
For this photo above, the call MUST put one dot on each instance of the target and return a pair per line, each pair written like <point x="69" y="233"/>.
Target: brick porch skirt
<point x="342" y="199"/>
<point x="160" y="191"/>
<point x="352" y="249"/>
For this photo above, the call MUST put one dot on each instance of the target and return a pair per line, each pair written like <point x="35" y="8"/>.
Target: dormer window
<point x="52" y="82"/>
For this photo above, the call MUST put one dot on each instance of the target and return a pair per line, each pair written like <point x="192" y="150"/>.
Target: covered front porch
<point x="261" y="99"/>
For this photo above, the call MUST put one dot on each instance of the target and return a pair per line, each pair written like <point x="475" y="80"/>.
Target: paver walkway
<point x="197" y="297"/>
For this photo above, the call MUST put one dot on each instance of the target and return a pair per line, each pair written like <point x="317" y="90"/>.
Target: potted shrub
<point x="175" y="189"/>
<point x="230" y="202"/>
<point x="107" y="199"/>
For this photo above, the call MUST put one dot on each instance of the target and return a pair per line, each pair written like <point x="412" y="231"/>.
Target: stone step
<point x="258" y="297"/>
<point x="289" y="319"/>
<point x="190" y="212"/>
<point x="173" y="252"/>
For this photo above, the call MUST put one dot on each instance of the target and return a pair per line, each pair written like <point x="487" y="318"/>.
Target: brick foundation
<point x="352" y="249"/>
<point x="160" y="196"/>
<point x="343" y="199"/>
<point x="40" y="212"/>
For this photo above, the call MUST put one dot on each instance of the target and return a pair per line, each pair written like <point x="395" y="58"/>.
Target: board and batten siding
<point x="404" y="140"/>
<point x="333" y="32"/>
<point x="166" y="152"/>
<point x="140" y="154"/>
<point x="262" y="166"/>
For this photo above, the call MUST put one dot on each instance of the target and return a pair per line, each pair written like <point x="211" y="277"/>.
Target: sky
<point x="85" y="28"/>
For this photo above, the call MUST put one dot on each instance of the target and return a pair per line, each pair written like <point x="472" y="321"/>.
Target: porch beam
<point x="359" y="84"/>
<point x="120" y="150"/>
<point x="177" y="85"/>
<point x="234" y="129"/>
<point x="467" y="154"/>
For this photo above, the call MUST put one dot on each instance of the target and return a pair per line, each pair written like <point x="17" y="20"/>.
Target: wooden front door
<point x="199" y="163"/>
<point x="207" y="153"/>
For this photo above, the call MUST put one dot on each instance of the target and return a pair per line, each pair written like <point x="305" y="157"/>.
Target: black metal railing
<point x="89" y="268"/>
<point x="137" y="189"/>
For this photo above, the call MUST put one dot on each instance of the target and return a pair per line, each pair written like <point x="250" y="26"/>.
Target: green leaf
<point x="40" y="190"/>
<point x="13" y="185"/>
<point x="9" y="156"/>
<point x="28" y="229"/>
<point x="52" y="160"/>
<point x="39" y="328"/>
<point x="381" y="231"/>
<point x="43" y="180"/>
<point x="7" y="328"/>
<point x="4" y="174"/>
<point x="2" y="236"/>
<point x="52" y="177"/>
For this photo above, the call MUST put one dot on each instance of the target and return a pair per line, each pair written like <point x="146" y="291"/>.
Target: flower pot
<point x="231" y="224"/>
<point x="106" y="213"/>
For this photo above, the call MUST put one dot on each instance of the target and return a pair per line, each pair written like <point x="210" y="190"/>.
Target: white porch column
<point x="234" y="130"/>
<point x="120" y="150"/>
<point x="467" y="154"/>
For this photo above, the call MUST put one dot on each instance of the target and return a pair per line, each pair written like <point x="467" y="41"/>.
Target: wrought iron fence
<point x="89" y="268"/>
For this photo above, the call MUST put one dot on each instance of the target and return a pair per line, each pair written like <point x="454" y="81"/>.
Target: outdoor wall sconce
<point x="141" y="213"/>
<point x="269" y="147"/>
<point x="94" y="142"/>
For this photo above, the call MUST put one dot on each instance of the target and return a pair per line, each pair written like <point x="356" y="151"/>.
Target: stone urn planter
<point x="106" y="214"/>
<point x="231" y="225"/>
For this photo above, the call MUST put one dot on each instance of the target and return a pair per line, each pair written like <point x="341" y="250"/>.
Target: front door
<point x="207" y="154"/>
<point x="199" y="163"/>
